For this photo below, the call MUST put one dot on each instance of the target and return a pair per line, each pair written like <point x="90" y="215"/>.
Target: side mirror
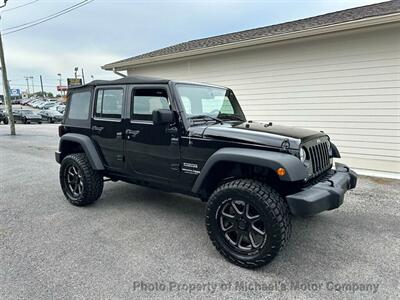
<point x="163" y="117"/>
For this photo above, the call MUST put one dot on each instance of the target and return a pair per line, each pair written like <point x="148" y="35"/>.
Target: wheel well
<point x="69" y="147"/>
<point x="224" y="171"/>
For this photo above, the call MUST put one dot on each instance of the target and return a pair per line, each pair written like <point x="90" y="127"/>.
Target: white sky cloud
<point x="104" y="31"/>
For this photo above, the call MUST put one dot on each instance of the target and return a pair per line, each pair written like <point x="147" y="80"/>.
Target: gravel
<point x="142" y="243"/>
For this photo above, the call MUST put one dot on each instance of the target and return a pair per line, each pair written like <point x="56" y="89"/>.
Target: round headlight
<point x="303" y="155"/>
<point x="328" y="144"/>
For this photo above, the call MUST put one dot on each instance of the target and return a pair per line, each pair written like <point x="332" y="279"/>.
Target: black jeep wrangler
<point x="194" y="139"/>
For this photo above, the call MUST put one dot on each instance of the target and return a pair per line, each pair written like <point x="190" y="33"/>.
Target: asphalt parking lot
<point x="141" y="243"/>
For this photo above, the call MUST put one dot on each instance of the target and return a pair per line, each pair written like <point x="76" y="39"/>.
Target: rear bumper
<point x="325" y="195"/>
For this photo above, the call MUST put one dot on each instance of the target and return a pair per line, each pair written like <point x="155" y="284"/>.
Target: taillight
<point x="61" y="130"/>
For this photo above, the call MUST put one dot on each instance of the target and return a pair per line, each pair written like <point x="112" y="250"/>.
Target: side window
<point x="145" y="101"/>
<point x="109" y="103"/>
<point x="79" y="105"/>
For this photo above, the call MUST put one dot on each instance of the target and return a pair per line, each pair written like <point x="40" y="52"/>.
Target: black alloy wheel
<point x="74" y="181"/>
<point x="80" y="183"/>
<point x="242" y="226"/>
<point x="248" y="222"/>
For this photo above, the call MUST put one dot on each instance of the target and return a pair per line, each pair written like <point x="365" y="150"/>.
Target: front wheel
<point x="248" y="222"/>
<point x="5" y="121"/>
<point x="80" y="184"/>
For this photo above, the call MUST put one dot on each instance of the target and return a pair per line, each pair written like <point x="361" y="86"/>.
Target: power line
<point x="22" y="5"/>
<point x="43" y="18"/>
<point x="48" y="18"/>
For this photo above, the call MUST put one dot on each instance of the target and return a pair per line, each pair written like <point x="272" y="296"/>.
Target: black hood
<point x="258" y="133"/>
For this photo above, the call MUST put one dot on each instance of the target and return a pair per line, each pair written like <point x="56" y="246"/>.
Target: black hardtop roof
<point x="126" y="80"/>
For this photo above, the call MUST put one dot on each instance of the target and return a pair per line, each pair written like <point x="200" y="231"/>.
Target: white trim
<point x="263" y="40"/>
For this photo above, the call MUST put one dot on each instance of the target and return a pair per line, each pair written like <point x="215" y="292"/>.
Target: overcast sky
<point x="108" y="30"/>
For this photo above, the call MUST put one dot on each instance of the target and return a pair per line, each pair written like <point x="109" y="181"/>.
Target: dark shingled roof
<point x="343" y="16"/>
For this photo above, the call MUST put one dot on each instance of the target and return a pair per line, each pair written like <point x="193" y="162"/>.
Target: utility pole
<point x="33" y="86"/>
<point x="6" y="86"/>
<point x="60" y="79"/>
<point x="41" y="85"/>
<point x="83" y="77"/>
<point x="27" y="85"/>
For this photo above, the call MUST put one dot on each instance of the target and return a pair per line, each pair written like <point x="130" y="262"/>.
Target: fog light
<point x="281" y="172"/>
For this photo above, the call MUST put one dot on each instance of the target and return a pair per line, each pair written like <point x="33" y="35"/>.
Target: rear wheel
<point x="81" y="184"/>
<point x="248" y="222"/>
<point x="5" y="121"/>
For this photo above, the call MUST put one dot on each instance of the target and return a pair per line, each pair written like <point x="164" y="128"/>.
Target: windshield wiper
<point x="203" y="117"/>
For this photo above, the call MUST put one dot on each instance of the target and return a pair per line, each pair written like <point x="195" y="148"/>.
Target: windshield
<point x="209" y="103"/>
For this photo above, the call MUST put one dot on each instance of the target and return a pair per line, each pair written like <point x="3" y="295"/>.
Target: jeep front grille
<point x="319" y="155"/>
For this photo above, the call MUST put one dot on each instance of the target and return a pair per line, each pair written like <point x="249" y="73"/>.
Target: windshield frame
<point x="186" y="118"/>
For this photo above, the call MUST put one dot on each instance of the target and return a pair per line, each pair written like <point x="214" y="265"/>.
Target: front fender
<point x="87" y="145"/>
<point x="295" y="170"/>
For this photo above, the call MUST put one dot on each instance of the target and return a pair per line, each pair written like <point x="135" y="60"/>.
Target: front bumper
<point x="325" y="195"/>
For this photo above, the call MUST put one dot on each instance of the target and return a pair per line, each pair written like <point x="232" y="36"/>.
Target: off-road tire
<point x="92" y="180"/>
<point x="271" y="206"/>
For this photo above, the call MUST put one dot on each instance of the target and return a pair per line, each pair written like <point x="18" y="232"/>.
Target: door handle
<point x="131" y="133"/>
<point x="97" y="128"/>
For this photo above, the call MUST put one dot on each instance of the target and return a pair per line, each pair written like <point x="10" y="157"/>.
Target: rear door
<point x="106" y="125"/>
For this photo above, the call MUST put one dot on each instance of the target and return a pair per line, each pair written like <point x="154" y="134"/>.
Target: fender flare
<point x="335" y="151"/>
<point x="87" y="146"/>
<point x="295" y="170"/>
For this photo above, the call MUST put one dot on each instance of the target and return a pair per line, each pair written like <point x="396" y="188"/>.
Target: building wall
<point x="346" y="84"/>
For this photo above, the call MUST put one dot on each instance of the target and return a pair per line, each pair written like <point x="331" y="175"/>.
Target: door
<point x="107" y="125"/>
<point x="151" y="150"/>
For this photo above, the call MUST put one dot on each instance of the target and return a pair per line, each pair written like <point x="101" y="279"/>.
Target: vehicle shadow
<point x="315" y="243"/>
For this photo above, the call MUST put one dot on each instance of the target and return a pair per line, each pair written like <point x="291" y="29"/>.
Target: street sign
<point x="74" y="82"/>
<point x="62" y="88"/>
<point x="15" y="92"/>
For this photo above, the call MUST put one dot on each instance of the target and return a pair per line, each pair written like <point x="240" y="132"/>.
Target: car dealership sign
<point x="15" y="92"/>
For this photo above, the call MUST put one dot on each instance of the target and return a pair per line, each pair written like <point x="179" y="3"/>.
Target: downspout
<point x="119" y="73"/>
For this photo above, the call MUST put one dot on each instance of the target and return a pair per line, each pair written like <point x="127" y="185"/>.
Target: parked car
<point x="51" y="115"/>
<point x="61" y="108"/>
<point x="3" y="117"/>
<point x="16" y="101"/>
<point x="27" y="116"/>
<point x="194" y="139"/>
<point x="42" y="104"/>
<point x="33" y="102"/>
<point x="26" y="101"/>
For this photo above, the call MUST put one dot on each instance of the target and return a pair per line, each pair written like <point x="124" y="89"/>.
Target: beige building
<point x="338" y="72"/>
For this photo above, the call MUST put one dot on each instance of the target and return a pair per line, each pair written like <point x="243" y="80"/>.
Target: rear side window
<point x="145" y="101"/>
<point x="109" y="103"/>
<point x="79" y="105"/>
